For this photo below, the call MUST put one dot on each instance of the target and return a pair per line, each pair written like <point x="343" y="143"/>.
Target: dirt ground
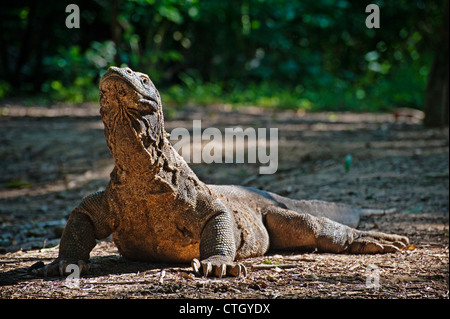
<point x="50" y="157"/>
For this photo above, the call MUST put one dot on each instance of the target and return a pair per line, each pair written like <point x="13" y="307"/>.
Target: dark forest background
<point x="303" y="54"/>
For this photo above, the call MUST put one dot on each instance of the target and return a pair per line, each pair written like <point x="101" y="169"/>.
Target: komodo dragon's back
<point x="157" y="209"/>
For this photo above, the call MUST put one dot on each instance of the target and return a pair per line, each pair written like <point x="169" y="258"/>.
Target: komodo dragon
<point x="158" y="210"/>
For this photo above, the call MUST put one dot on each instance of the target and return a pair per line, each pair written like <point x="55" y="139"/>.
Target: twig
<point x="131" y="282"/>
<point x="161" y="279"/>
<point x="270" y="266"/>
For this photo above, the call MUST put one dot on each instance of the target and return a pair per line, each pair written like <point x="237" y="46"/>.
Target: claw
<point x="207" y="269"/>
<point x="238" y="270"/>
<point x="195" y="264"/>
<point x="378" y="246"/>
<point x="221" y="271"/>
<point x="391" y="249"/>
<point x="217" y="267"/>
<point x="404" y="241"/>
<point x="371" y="242"/>
<point x="400" y="244"/>
<point x="243" y="270"/>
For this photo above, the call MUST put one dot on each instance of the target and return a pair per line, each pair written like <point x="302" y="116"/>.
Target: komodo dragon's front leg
<point x="86" y="223"/>
<point x="217" y="244"/>
<point x="292" y="230"/>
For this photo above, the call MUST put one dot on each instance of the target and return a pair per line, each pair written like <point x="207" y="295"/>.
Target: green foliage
<point x="311" y="55"/>
<point x="402" y="88"/>
<point x="75" y="73"/>
<point x="5" y="88"/>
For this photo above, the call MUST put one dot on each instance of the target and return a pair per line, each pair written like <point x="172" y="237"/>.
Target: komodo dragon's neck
<point x="135" y="134"/>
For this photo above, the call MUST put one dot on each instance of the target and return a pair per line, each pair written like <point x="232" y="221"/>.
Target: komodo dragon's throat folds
<point x="156" y="208"/>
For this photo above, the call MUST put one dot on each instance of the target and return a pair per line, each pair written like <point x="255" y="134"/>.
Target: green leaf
<point x="171" y="13"/>
<point x="348" y="162"/>
<point x="18" y="184"/>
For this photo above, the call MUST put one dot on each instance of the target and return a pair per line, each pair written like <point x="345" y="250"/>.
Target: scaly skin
<point x="157" y="209"/>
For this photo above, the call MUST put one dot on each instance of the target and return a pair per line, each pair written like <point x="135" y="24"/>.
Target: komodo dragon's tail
<point x="376" y="212"/>
<point x="337" y="212"/>
<point x="340" y="213"/>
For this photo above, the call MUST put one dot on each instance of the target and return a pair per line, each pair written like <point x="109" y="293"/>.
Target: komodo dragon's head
<point x="131" y="110"/>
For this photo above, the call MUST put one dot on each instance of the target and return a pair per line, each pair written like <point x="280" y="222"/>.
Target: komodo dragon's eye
<point x="145" y="80"/>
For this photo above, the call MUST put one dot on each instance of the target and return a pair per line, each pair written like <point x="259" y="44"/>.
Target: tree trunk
<point x="436" y="95"/>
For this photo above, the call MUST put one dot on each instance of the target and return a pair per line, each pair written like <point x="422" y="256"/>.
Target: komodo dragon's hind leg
<point x="291" y="230"/>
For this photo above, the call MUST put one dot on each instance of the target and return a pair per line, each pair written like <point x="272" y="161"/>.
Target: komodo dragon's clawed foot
<point x="59" y="267"/>
<point x="218" y="266"/>
<point x="370" y="242"/>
